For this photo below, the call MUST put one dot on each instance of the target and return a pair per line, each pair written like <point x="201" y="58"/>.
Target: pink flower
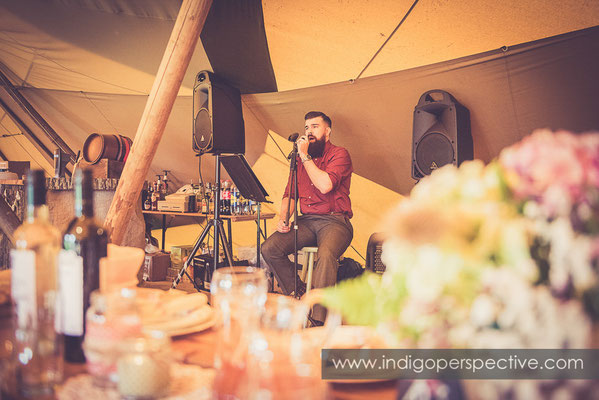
<point x="557" y="170"/>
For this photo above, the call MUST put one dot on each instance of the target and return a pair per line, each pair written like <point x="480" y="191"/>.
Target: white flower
<point x="569" y="257"/>
<point x="483" y="311"/>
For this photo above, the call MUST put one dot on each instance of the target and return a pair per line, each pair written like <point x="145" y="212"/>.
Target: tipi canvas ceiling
<point x="76" y="57"/>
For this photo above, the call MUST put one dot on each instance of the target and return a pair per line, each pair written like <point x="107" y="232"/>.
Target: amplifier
<point x="203" y="267"/>
<point x="374" y="251"/>
<point x="165" y="205"/>
<point x="181" y="202"/>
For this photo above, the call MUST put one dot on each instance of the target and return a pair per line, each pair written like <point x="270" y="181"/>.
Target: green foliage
<point x="365" y="300"/>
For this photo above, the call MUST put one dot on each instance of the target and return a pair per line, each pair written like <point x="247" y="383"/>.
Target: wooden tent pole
<point x="175" y="61"/>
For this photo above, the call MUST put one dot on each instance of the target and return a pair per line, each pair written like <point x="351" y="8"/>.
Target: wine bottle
<point x="37" y="345"/>
<point x="84" y="244"/>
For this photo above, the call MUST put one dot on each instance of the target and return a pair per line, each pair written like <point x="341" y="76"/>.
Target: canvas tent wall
<point x="88" y="66"/>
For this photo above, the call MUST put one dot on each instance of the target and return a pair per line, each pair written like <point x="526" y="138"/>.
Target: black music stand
<point x="249" y="186"/>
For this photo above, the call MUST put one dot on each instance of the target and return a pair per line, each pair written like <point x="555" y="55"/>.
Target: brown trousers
<point x="332" y="233"/>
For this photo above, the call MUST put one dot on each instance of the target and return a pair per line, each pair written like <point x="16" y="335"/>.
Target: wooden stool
<point x="308" y="266"/>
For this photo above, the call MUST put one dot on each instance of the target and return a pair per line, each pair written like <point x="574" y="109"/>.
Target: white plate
<point x="174" y="312"/>
<point x="192" y="329"/>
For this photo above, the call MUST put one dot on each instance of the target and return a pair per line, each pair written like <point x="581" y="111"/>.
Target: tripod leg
<point x="190" y="257"/>
<point x="221" y="232"/>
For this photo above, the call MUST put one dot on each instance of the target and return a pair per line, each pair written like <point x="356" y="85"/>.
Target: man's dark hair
<point x="314" y="114"/>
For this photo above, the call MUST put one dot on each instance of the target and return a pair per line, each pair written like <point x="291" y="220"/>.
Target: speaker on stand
<point x="217" y="116"/>
<point x="441" y="133"/>
<point x="218" y="129"/>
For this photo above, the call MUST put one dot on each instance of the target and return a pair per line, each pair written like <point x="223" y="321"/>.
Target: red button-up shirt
<point x="336" y="162"/>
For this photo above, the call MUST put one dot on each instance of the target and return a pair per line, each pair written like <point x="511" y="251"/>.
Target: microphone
<point x="292" y="138"/>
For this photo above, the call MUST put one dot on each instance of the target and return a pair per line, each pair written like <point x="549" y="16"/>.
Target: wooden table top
<point x="233" y="218"/>
<point x="198" y="349"/>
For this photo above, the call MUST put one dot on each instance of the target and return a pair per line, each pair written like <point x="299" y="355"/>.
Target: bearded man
<point x="323" y="177"/>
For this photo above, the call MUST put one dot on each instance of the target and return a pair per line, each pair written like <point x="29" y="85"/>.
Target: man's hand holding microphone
<point x="302" y="145"/>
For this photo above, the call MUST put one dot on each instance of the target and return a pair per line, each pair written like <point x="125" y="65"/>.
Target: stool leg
<point x="304" y="271"/>
<point x="310" y="268"/>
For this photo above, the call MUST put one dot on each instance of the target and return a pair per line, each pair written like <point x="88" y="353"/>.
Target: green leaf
<point x="355" y="299"/>
<point x="367" y="300"/>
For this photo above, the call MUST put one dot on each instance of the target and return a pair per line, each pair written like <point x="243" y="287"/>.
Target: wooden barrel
<point x="112" y="147"/>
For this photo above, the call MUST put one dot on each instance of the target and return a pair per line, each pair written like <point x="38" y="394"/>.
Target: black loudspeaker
<point x="217" y="116"/>
<point x="374" y="250"/>
<point x="441" y="133"/>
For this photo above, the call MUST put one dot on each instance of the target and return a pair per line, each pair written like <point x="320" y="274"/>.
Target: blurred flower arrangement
<point x="554" y="179"/>
<point x="502" y="255"/>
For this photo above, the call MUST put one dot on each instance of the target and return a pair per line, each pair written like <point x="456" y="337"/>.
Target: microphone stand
<point x="293" y="179"/>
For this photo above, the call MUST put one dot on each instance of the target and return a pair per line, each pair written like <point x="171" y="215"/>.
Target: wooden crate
<point x="156" y="266"/>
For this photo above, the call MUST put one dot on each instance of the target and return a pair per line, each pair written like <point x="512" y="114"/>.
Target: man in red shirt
<point x="324" y="177"/>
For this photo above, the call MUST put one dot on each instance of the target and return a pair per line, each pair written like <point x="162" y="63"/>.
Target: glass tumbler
<point x="238" y="296"/>
<point x="285" y="357"/>
<point x="111" y="318"/>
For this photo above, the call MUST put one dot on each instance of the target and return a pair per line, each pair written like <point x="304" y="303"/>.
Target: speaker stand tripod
<point x="219" y="233"/>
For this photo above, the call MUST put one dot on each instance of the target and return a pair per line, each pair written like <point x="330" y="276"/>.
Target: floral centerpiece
<point x="499" y="255"/>
<point x="554" y="178"/>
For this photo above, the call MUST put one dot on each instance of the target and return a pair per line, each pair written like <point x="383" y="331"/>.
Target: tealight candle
<point x="144" y="367"/>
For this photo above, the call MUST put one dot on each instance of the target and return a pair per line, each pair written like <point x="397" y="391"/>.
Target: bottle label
<point x="23" y="287"/>
<point x="70" y="278"/>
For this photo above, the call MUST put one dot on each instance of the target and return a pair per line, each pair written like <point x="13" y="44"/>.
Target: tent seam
<point x="386" y="40"/>
<point x="36" y="53"/>
<point x="509" y="84"/>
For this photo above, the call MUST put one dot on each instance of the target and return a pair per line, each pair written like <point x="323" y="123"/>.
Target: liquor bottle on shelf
<point x="226" y="198"/>
<point x="159" y="188"/>
<point x="155" y="196"/>
<point x="37" y="345"/>
<point x="238" y="206"/>
<point x="165" y="182"/>
<point x="84" y="243"/>
<point x="234" y="193"/>
<point x="148" y="199"/>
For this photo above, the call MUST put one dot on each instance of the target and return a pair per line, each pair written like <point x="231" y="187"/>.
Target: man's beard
<point x="315" y="149"/>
